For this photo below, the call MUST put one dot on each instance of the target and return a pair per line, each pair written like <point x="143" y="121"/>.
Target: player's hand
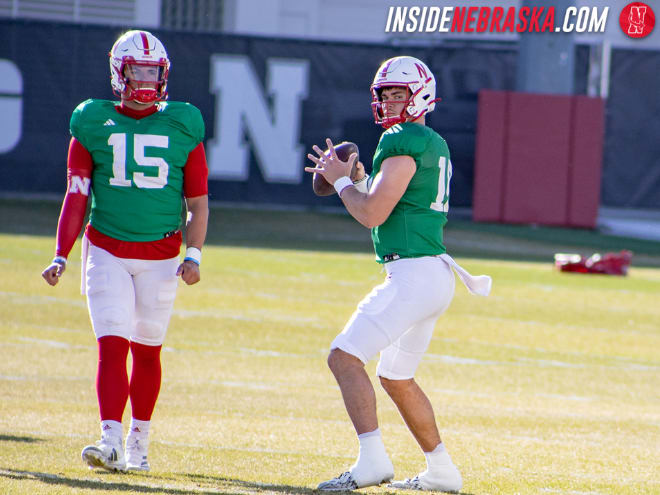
<point x="189" y="272"/>
<point x="53" y="273"/>
<point x="330" y="166"/>
<point x="358" y="172"/>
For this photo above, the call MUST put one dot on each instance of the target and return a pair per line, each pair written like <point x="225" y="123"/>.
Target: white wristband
<point x="361" y="185"/>
<point x="193" y="254"/>
<point x="342" y="183"/>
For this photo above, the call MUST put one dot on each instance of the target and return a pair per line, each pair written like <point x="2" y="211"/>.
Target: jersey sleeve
<point x="195" y="173"/>
<point x="76" y="123"/>
<point x="196" y="123"/>
<point x="396" y="142"/>
<point x="74" y="206"/>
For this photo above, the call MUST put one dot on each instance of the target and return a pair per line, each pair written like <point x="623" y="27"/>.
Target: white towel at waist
<point x="479" y="285"/>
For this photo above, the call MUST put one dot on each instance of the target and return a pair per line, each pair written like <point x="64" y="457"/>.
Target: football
<point x="344" y="150"/>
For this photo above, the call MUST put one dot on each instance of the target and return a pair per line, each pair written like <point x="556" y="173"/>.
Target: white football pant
<point x="397" y="317"/>
<point x="130" y="298"/>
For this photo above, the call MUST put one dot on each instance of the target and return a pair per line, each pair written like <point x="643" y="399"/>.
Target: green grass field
<point x="549" y="386"/>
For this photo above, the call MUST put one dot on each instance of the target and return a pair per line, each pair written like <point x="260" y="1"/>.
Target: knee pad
<point x="149" y="332"/>
<point x="111" y="317"/>
<point x="110" y="320"/>
<point x="362" y="337"/>
<point x="398" y="364"/>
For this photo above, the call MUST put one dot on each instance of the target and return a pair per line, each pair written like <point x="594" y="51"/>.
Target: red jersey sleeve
<point x="195" y="173"/>
<point x="74" y="206"/>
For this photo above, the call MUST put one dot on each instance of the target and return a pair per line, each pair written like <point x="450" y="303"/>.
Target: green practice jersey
<point x="414" y="228"/>
<point x="137" y="180"/>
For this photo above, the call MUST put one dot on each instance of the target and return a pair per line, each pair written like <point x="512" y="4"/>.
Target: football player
<point x="404" y="202"/>
<point x="136" y="157"/>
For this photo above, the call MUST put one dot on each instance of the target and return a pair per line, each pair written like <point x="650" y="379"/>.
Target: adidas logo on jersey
<point x="109" y="122"/>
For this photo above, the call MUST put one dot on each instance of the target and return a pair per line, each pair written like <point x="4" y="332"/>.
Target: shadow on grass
<point x="225" y="485"/>
<point x="249" y="485"/>
<point x="203" y="478"/>
<point x="127" y="482"/>
<point x="14" y="438"/>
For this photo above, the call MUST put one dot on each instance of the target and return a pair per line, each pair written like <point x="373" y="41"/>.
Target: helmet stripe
<point x="384" y="71"/>
<point x="145" y="42"/>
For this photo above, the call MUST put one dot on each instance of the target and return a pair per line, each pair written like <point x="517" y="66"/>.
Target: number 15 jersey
<point x="137" y="179"/>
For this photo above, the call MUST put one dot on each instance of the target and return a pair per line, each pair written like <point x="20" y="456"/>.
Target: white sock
<point x="441" y="473"/>
<point x="371" y="445"/>
<point x="375" y="433"/>
<point x="112" y="429"/>
<point x="139" y="427"/>
<point x="372" y="460"/>
<point x="437" y="458"/>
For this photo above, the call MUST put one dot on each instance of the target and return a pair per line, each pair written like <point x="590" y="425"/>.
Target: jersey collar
<point x="136" y="114"/>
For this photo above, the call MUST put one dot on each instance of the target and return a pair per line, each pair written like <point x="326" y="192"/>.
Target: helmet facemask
<point x="144" y="82"/>
<point x="380" y="110"/>
<point x="133" y="58"/>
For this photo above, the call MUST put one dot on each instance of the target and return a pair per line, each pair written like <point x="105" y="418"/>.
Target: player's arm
<point x="374" y="207"/>
<point x="195" y="188"/>
<point x="74" y="206"/>
<point x="198" y="217"/>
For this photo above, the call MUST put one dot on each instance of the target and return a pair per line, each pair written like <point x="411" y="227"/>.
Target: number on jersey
<point x="140" y="141"/>
<point x="441" y="202"/>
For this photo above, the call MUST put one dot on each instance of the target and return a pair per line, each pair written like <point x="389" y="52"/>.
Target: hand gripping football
<point x="344" y="150"/>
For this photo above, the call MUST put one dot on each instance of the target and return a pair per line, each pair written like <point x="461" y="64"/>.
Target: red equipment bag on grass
<point x="607" y="264"/>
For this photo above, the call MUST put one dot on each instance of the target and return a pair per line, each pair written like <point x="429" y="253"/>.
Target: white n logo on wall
<point x="273" y="130"/>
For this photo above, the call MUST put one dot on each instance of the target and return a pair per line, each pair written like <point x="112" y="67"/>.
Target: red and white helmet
<point x="407" y="72"/>
<point x="140" y="48"/>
